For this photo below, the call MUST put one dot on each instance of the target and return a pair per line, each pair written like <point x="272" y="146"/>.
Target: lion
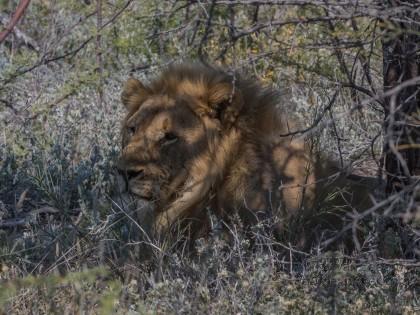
<point x="197" y="138"/>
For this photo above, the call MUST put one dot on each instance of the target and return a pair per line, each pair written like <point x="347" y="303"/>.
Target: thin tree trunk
<point x="401" y="60"/>
<point x="99" y="53"/>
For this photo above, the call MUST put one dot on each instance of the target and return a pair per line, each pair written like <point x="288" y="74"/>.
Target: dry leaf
<point x="21" y="200"/>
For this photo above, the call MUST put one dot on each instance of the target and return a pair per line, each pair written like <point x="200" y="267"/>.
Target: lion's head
<point x="172" y="133"/>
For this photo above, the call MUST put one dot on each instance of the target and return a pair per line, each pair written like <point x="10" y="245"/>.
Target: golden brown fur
<point x="196" y="137"/>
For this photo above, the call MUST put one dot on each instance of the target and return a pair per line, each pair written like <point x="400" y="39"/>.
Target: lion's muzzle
<point x="133" y="181"/>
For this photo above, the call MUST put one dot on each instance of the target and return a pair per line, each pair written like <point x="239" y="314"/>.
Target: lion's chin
<point x="143" y="189"/>
<point x="132" y="202"/>
<point x="143" y="197"/>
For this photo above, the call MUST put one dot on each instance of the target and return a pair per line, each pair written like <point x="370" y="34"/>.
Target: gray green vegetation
<point x="64" y="247"/>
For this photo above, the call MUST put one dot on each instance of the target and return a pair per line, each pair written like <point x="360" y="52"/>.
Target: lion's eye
<point x="169" y="138"/>
<point x="131" y="131"/>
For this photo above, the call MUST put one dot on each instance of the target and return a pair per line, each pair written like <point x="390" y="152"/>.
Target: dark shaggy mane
<point x="260" y="113"/>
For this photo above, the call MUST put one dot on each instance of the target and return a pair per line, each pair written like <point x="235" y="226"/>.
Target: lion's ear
<point x="133" y="94"/>
<point x="225" y="103"/>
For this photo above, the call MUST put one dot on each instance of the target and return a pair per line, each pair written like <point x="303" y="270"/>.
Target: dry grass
<point x="71" y="251"/>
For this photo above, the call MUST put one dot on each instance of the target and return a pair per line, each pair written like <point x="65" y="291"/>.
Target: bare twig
<point x="23" y="4"/>
<point x="206" y="31"/>
<point x="359" y="216"/>
<point x="317" y="120"/>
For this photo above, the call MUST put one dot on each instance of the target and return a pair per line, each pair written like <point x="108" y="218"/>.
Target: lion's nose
<point x="130" y="173"/>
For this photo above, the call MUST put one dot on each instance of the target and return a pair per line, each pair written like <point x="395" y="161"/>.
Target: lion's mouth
<point x="146" y="197"/>
<point x="143" y="189"/>
<point x="137" y="188"/>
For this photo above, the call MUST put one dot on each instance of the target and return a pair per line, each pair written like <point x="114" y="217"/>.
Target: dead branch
<point x="21" y="36"/>
<point x="23" y="4"/>
<point x="44" y="60"/>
